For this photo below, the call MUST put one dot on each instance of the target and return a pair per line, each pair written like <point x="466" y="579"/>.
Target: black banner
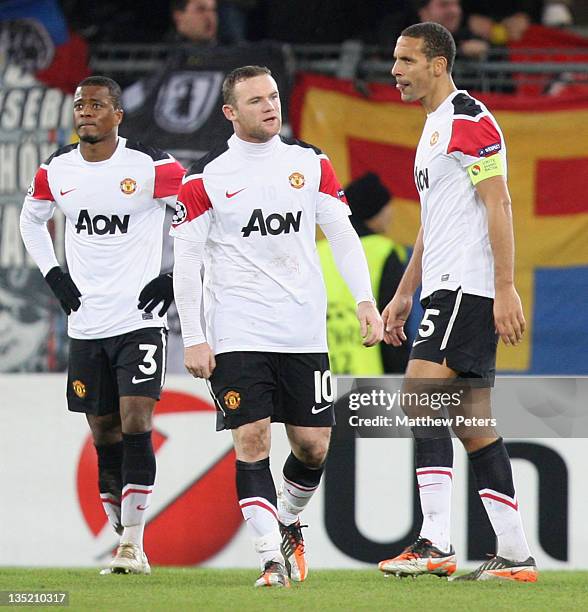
<point x="179" y="108"/>
<point x="34" y="121"/>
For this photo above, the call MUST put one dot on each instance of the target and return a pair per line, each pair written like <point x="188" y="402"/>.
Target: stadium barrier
<point x="364" y="510"/>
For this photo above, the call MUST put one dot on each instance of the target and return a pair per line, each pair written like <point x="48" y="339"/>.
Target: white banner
<point x="50" y="513"/>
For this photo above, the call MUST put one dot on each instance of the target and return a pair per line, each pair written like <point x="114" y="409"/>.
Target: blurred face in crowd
<point x="256" y="112"/>
<point x="380" y="223"/>
<point x="95" y="118"/>
<point x="198" y="21"/>
<point x="446" y="12"/>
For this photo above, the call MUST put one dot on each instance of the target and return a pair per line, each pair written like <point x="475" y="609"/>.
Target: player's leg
<point x="138" y="478"/>
<point x="305" y="405"/>
<point x="107" y="436"/>
<point x="301" y="476"/>
<point x="243" y="385"/>
<point x="91" y="389"/>
<point x="138" y="358"/>
<point x="436" y="355"/>
<point x="257" y="498"/>
<point x="493" y="472"/>
<point x="432" y="553"/>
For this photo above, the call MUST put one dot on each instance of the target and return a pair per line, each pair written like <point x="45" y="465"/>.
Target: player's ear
<point x="439" y="66"/>
<point x="119" y="113"/>
<point x="229" y="112"/>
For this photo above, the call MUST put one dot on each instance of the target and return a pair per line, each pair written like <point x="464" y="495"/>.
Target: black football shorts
<point x="458" y="328"/>
<point x="102" y="371"/>
<point x="293" y="388"/>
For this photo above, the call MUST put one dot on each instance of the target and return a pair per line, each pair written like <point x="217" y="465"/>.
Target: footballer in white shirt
<point x="464" y="259"/>
<point x="113" y="193"/>
<point x="247" y="213"/>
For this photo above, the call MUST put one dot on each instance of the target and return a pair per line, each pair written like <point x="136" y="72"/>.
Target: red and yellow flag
<point x="547" y="147"/>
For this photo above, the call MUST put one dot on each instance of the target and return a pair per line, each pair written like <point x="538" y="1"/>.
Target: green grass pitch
<point x="341" y="590"/>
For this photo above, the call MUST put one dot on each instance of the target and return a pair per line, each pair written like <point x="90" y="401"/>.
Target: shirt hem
<point x="119" y="331"/>
<point x="273" y="349"/>
<point x="454" y="287"/>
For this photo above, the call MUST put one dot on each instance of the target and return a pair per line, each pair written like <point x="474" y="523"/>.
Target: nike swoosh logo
<point x="140" y="507"/>
<point x="66" y="192"/>
<point x="136" y="380"/>
<point x="419" y="341"/>
<point x="230" y="195"/>
<point x="316" y="410"/>
<point x="433" y="566"/>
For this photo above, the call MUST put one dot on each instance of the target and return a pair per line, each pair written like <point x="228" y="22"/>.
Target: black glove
<point x="160" y="289"/>
<point x="64" y="288"/>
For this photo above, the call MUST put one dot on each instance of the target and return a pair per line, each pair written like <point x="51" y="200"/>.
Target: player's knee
<point x="136" y="414"/>
<point x="252" y="448"/>
<point x="105" y="429"/>
<point x="313" y="454"/>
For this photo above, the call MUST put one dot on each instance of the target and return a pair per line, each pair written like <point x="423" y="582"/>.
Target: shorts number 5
<point x="427" y="327"/>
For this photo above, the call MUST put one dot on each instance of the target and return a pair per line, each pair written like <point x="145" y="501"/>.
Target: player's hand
<point x="64" y="288"/>
<point x="199" y="360"/>
<point x="508" y="315"/>
<point x="160" y="289"/>
<point x="370" y="322"/>
<point x="395" y="316"/>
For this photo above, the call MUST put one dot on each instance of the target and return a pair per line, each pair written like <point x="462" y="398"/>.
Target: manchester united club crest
<point x="434" y="138"/>
<point x="232" y="400"/>
<point x="79" y="388"/>
<point x="128" y="186"/>
<point x="296" y="180"/>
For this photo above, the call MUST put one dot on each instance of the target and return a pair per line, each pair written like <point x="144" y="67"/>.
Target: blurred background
<point x="527" y="60"/>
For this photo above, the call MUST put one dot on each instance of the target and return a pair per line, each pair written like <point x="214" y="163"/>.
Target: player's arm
<point x="168" y="179"/>
<point x="352" y="264"/>
<point x="508" y="311"/>
<point x="398" y="309"/>
<point x="167" y="184"/>
<point x="38" y="208"/>
<point x="332" y="214"/>
<point x="190" y="228"/>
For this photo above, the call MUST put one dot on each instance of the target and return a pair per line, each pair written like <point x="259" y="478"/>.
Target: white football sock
<point x="435" y="486"/>
<point x="503" y="512"/>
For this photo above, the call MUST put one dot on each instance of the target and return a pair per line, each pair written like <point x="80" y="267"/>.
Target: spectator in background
<point x="233" y="17"/>
<point x="371" y="208"/>
<point x="195" y="21"/>
<point x="557" y="13"/>
<point x="500" y="21"/>
<point x="449" y="13"/>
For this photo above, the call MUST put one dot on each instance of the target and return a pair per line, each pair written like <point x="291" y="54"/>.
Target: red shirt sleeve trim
<point x="192" y="202"/>
<point x="329" y="182"/>
<point x="39" y="189"/>
<point x="474" y="138"/>
<point x="168" y="179"/>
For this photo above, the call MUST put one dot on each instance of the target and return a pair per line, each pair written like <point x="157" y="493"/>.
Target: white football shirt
<point x="256" y="206"/>
<point x="114" y="212"/>
<point x="457" y="253"/>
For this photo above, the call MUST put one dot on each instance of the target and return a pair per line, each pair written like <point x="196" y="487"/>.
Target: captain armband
<point x="486" y="168"/>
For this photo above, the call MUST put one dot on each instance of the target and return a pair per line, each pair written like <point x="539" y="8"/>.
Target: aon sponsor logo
<point x="101" y="224"/>
<point x="421" y="178"/>
<point x="272" y="224"/>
